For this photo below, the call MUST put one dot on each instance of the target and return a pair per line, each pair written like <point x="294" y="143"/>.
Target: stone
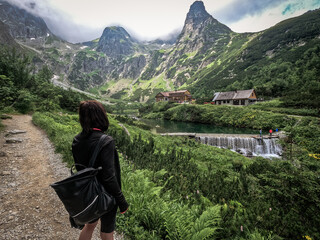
<point x="6" y="173"/>
<point x="3" y="154"/>
<point x="15" y="131"/>
<point x="13" y="140"/>
<point x="5" y="116"/>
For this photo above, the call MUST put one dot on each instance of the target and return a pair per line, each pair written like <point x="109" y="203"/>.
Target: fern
<point x="184" y="224"/>
<point x="206" y="225"/>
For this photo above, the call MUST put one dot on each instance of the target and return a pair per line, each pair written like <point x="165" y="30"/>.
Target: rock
<point x="15" y="131"/>
<point x="13" y="140"/>
<point x="6" y="173"/>
<point x="249" y="154"/>
<point x="5" y="116"/>
<point x="3" y="154"/>
<point x="12" y="184"/>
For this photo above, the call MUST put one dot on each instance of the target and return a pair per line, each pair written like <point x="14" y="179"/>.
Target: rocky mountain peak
<point x="197" y="13"/>
<point x="200" y="29"/>
<point x="115" y="42"/>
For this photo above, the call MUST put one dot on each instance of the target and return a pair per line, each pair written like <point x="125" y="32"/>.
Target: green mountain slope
<point x="279" y="62"/>
<point x="273" y="62"/>
<point x="207" y="56"/>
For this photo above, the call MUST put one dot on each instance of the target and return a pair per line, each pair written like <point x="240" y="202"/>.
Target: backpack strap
<point x="96" y="150"/>
<point x="73" y="168"/>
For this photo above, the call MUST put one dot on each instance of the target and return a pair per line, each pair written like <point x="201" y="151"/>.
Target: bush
<point x="25" y="102"/>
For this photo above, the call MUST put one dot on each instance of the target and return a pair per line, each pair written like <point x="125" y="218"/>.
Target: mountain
<point x="206" y="56"/>
<point x="115" y="42"/>
<point x="201" y="29"/>
<point x="21" y="23"/>
<point x="5" y="36"/>
<point x="272" y="61"/>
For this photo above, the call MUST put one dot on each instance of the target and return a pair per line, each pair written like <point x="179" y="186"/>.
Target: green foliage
<point x="278" y="62"/>
<point x="60" y="129"/>
<point x="8" y="92"/>
<point x="243" y="117"/>
<point x="155" y="62"/>
<point x="15" y="66"/>
<point x="25" y="101"/>
<point x="306" y="134"/>
<point x="192" y="227"/>
<point x="26" y="92"/>
<point x="278" y="106"/>
<point x="155" y="107"/>
<point x="152" y="211"/>
<point x="180" y="189"/>
<point x="132" y="121"/>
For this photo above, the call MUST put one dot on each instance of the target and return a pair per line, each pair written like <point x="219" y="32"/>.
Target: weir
<point x="248" y="146"/>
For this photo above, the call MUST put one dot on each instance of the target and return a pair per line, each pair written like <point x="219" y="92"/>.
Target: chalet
<point x="238" y="97"/>
<point x="174" y="96"/>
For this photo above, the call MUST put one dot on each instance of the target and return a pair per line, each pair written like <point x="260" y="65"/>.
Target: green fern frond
<point x="207" y="224"/>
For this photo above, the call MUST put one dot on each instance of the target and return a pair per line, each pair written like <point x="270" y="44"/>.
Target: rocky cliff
<point x="116" y="43"/>
<point x="5" y="36"/>
<point x="21" y="23"/>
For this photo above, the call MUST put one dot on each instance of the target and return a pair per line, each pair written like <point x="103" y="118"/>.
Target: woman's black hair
<point x="92" y="115"/>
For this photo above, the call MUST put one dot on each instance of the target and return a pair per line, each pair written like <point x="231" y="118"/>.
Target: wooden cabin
<point x="180" y="96"/>
<point x="237" y="97"/>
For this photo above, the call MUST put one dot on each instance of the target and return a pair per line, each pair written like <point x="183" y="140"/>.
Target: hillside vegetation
<point x="24" y="91"/>
<point x="306" y="129"/>
<point x="181" y="189"/>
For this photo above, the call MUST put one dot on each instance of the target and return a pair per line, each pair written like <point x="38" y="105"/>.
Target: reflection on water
<point x="166" y="126"/>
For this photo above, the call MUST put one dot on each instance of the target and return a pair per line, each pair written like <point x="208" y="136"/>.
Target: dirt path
<point x="30" y="209"/>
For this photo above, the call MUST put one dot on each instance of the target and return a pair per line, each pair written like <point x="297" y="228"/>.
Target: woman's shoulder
<point x="107" y="140"/>
<point x="77" y="138"/>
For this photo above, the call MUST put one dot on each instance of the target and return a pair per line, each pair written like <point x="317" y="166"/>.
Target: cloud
<point x="60" y="23"/>
<point x="246" y="16"/>
<point x="84" y="20"/>
<point x="239" y="9"/>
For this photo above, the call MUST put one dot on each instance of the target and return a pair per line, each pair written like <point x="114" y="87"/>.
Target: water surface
<point x="166" y="126"/>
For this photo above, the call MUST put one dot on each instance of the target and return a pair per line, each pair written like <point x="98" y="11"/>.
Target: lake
<point x="166" y="126"/>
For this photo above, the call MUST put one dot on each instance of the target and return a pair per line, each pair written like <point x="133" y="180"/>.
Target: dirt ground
<point x="30" y="209"/>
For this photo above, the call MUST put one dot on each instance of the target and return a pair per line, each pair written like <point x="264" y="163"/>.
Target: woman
<point x="94" y="122"/>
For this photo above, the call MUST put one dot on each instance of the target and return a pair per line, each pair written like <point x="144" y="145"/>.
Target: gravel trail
<point x="30" y="209"/>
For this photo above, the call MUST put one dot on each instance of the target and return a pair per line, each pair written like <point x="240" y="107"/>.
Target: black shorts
<point x="108" y="221"/>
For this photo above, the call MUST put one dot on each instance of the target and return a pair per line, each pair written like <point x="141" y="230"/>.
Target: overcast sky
<point x="84" y="20"/>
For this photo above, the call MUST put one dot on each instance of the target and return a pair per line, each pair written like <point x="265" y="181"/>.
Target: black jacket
<point x="83" y="147"/>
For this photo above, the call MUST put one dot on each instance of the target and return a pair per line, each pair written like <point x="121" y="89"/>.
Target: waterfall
<point x="247" y="146"/>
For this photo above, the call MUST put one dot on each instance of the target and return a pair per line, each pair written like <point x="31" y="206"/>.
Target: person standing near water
<point x="270" y="131"/>
<point x="260" y="133"/>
